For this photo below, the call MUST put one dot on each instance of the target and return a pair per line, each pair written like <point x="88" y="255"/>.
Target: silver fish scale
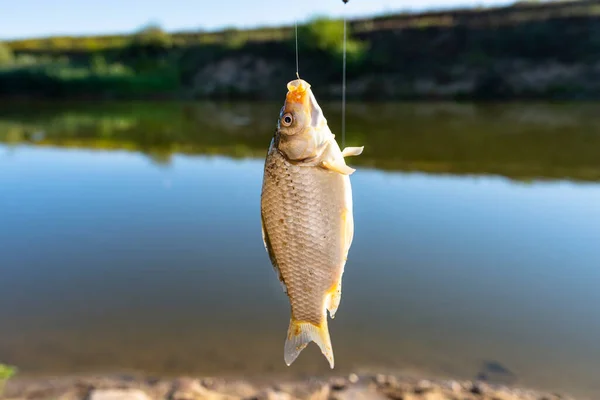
<point x="302" y="210"/>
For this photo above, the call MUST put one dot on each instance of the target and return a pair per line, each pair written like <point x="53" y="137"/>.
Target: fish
<point x="307" y="217"/>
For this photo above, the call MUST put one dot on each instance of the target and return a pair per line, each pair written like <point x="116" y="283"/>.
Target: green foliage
<point x="6" y="54"/>
<point x="234" y="38"/>
<point x="322" y="33"/>
<point x="148" y="50"/>
<point x="402" y="47"/>
<point x="327" y="35"/>
<point x="98" y="64"/>
<point x="6" y="372"/>
<point x="520" y="12"/>
<point x="152" y="36"/>
<point x="100" y="78"/>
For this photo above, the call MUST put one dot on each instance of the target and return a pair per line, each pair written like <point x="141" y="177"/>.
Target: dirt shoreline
<point x="349" y="387"/>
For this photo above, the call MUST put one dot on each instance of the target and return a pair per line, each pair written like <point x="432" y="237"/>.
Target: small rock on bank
<point x="118" y="394"/>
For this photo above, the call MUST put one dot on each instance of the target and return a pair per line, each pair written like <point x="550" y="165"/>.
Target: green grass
<point x="62" y="78"/>
<point x="6" y="372"/>
<point x="521" y="11"/>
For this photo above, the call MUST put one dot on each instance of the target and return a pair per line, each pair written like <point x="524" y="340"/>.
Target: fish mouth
<point x="297" y="90"/>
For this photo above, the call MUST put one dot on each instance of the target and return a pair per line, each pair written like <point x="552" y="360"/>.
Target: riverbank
<point x="529" y="50"/>
<point x="353" y="386"/>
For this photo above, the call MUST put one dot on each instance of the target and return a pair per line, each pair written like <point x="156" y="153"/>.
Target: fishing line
<point x="344" y="84"/>
<point x="296" y="28"/>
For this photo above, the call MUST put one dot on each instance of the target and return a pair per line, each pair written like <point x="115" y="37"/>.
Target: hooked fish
<point x="307" y="219"/>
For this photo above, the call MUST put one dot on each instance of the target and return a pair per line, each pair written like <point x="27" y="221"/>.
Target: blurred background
<point x="132" y="142"/>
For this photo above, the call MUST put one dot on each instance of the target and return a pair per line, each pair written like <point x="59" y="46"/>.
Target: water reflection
<point x="520" y="141"/>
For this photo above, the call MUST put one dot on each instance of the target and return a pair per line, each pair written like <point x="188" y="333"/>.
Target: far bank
<point x="525" y="51"/>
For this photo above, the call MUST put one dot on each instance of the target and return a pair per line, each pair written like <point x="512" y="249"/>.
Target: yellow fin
<point x="334" y="298"/>
<point x="301" y="333"/>
<point x="347" y="231"/>
<point x="347" y="234"/>
<point x="352" y="151"/>
<point x="338" y="167"/>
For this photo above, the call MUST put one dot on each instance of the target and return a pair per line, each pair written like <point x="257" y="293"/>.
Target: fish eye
<point x="287" y="119"/>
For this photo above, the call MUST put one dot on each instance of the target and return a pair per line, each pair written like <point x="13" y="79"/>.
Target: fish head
<point x="302" y="129"/>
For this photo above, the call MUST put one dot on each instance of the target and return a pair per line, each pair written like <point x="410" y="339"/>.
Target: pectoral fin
<point x="338" y="166"/>
<point x="352" y="151"/>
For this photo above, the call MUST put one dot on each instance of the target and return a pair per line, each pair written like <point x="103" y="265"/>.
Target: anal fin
<point x="334" y="297"/>
<point x="301" y="333"/>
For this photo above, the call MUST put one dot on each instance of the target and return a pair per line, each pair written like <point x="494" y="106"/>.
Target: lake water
<point x="130" y="241"/>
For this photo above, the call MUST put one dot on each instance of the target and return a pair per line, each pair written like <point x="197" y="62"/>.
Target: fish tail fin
<point x="301" y="333"/>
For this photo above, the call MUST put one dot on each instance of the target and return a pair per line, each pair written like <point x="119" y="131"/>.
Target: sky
<point x="36" y="18"/>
